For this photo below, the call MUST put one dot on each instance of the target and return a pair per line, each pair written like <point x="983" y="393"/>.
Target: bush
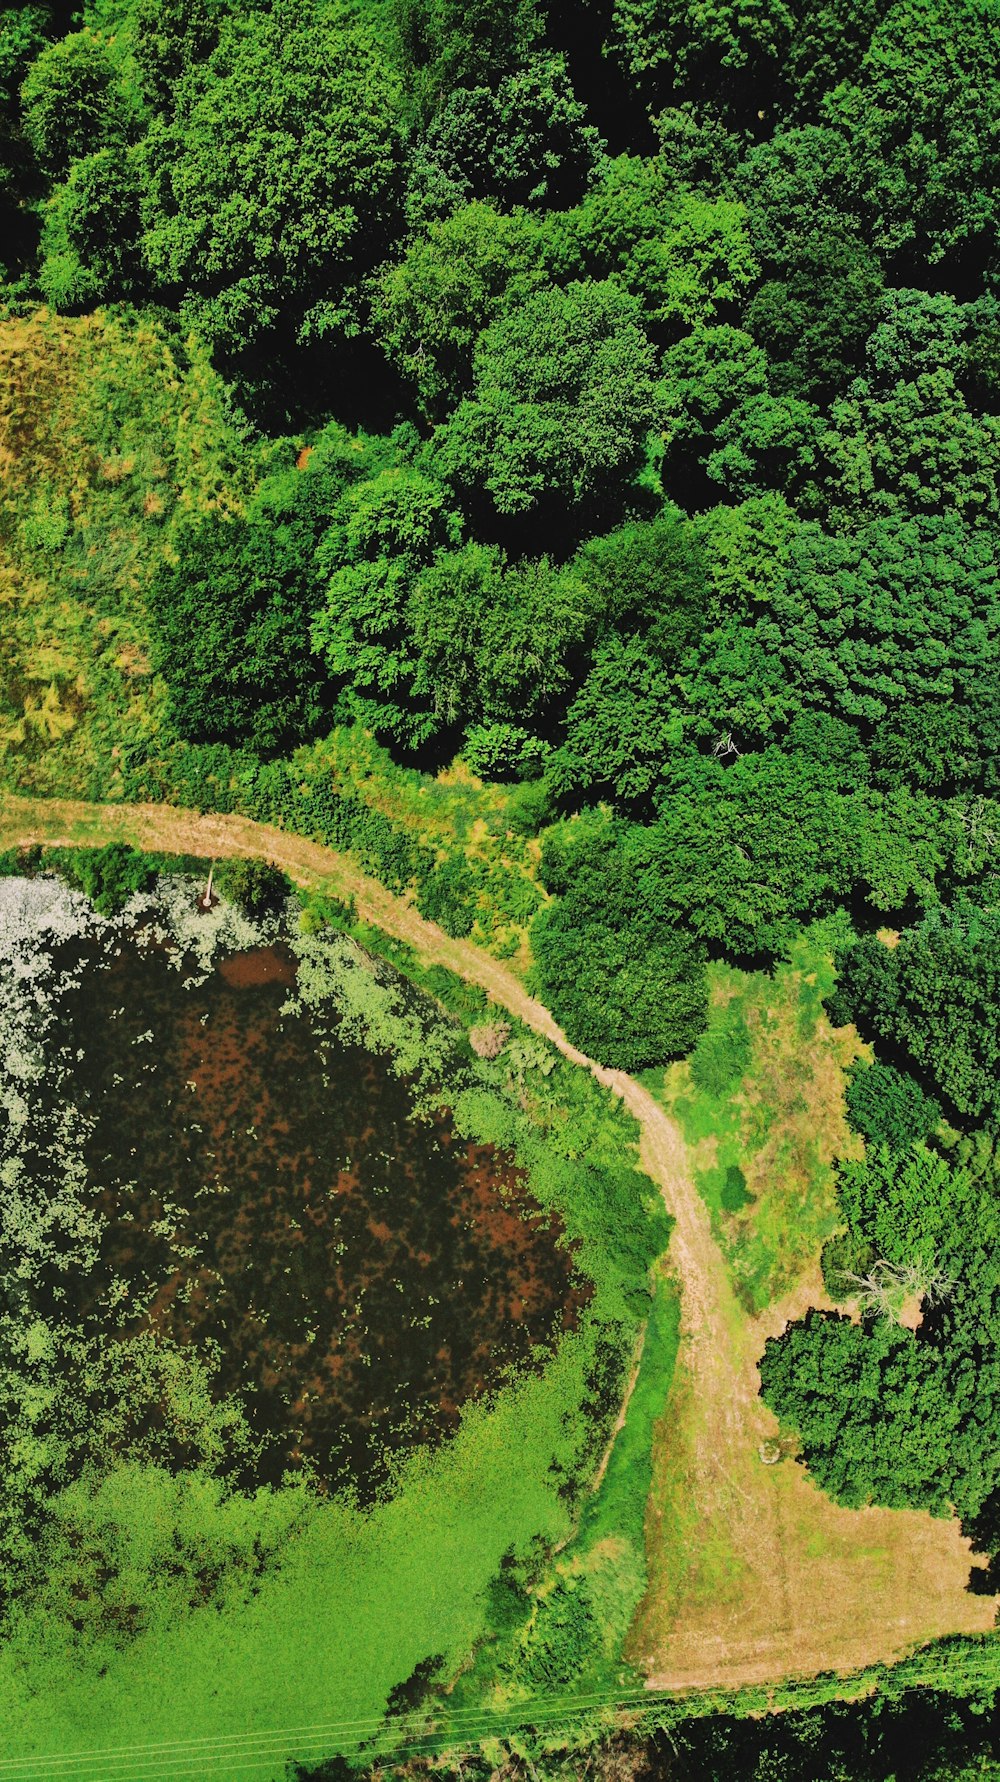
<point x="529" y="807"/>
<point x="258" y="887"/>
<point x="504" y="752"/>
<point x="320" y="910"/>
<point x="842" y="1255"/>
<point x="888" y="1106"/>
<point x="735" y="1193"/>
<point x="232" y="615"/>
<point x="109" y="876"/>
<point x="625" y="995"/>
<point x="721" y="1056"/>
<point x="448" y="896"/>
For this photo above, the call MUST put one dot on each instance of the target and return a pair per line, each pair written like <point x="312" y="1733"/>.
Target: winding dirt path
<point x="755" y="1576"/>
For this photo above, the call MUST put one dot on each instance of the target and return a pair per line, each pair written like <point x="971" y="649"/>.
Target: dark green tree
<point x="232" y="616"/>
<point x="383" y="532"/>
<point x="934" y="995"/>
<point x="525" y="140"/>
<point x="627" y="986"/>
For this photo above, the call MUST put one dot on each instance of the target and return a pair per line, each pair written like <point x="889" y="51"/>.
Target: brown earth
<point x="761" y="1576"/>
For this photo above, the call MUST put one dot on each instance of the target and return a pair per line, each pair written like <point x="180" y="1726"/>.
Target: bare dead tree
<point x="983" y="839"/>
<point x="886" y="1282"/>
<point x="724" y="746"/>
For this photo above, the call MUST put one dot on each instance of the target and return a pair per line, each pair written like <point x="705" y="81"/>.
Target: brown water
<point x="364" y="1274"/>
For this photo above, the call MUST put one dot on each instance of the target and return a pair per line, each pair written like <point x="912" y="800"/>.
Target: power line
<point x="62" y="1764"/>
<point x="463" y="1727"/>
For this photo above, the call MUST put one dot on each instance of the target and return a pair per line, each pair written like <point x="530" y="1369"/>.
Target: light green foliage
<point x="496" y="642"/>
<point x="620" y="727"/>
<point x="75" y="103"/>
<point x="432" y="305"/>
<point x="706" y="374"/>
<point x="908" y="1207"/>
<point x="682" y="255"/>
<point x="703" y="45"/>
<point x="762" y="1092"/>
<point x="564" y="394"/>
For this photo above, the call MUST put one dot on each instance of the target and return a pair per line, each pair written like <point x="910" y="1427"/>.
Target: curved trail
<point x="755" y="1575"/>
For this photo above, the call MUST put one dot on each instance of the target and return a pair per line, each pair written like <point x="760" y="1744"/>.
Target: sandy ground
<point x="764" y="1578"/>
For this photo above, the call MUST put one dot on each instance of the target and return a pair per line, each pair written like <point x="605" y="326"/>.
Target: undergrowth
<point x="761" y="1103"/>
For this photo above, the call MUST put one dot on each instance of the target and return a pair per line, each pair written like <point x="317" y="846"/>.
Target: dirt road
<point x="755" y="1575"/>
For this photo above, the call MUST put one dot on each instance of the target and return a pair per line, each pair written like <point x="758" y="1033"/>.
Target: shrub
<point x="735" y="1193"/>
<point x="888" y="1106"/>
<point x="448" y="894"/>
<point x="320" y="910"/>
<point x="109" y="876"/>
<point x="504" y="752"/>
<point x="529" y="807"/>
<point x="721" y="1056"/>
<point x="257" y="886"/>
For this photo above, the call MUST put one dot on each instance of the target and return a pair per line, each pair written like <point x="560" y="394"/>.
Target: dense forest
<point x="609" y="401"/>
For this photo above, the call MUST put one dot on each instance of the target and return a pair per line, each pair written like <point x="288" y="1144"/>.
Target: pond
<point x="267" y="1188"/>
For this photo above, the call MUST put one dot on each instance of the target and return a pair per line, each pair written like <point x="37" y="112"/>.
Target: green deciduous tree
<point x="622" y="724"/>
<point x="920" y="121"/>
<point x="496" y="642"/>
<point x="383" y="532"/>
<point x="277" y="183"/>
<point x="564" y="396"/>
<point x="430" y="307"/>
<point x="74" y="102"/>
<point x="523" y="141"/>
<point x="682" y="254"/>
